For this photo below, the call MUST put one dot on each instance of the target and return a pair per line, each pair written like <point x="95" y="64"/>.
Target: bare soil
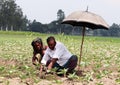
<point x="110" y="79"/>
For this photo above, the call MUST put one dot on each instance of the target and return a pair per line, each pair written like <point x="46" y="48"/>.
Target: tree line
<point x="12" y="18"/>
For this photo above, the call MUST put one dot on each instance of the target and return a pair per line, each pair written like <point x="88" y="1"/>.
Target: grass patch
<point x="101" y="55"/>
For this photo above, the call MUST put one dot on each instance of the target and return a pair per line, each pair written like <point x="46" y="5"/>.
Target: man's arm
<point x="34" y="58"/>
<point x="41" y="68"/>
<point x="53" y="61"/>
<point x="44" y="61"/>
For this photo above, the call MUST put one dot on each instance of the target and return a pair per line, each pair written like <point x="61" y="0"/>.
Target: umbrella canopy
<point x="86" y="19"/>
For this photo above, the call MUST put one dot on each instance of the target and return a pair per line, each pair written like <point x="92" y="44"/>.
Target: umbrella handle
<point x="83" y="34"/>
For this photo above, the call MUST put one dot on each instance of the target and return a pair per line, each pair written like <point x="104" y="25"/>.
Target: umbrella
<point x="85" y="19"/>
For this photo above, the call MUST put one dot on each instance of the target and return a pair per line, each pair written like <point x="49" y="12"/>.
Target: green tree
<point x="36" y="26"/>
<point x="11" y="17"/>
<point x="60" y="15"/>
<point x="114" y="30"/>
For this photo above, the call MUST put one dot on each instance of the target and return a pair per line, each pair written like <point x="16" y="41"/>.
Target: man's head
<point x="51" y="42"/>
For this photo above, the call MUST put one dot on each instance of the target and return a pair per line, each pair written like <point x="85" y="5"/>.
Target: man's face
<point x="51" y="44"/>
<point x="38" y="46"/>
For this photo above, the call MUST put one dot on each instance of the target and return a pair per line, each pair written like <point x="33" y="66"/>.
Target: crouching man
<point x="58" y="56"/>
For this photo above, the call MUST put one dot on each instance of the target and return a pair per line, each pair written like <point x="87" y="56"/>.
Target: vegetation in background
<point x="12" y="18"/>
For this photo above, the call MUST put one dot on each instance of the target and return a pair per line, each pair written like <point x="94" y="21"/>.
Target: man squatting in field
<point x="57" y="55"/>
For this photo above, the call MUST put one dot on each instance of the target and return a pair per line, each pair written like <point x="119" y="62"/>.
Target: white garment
<point x="60" y="52"/>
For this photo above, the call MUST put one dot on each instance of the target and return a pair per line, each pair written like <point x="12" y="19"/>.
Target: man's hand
<point x="53" y="61"/>
<point x="41" y="73"/>
<point x="41" y="69"/>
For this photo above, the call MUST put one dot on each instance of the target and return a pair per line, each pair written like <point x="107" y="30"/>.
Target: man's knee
<point x="75" y="58"/>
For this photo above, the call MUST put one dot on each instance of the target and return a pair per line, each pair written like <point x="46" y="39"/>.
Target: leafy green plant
<point x="89" y="77"/>
<point x="99" y="83"/>
<point x="100" y="55"/>
<point x="118" y="80"/>
<point x="73" y="76"/>
<point x="54" y="70"/>
<point x="7" y="82"/>
<point x="2" y="68"/>
<point x="63" y="71"/>
<point x="58" y="81"/>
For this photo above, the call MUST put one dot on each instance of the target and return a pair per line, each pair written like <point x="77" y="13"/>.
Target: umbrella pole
<point x="83" y="34"/>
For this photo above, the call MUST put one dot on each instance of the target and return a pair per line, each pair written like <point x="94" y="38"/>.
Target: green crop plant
<point x="63" y="71"/>
<point x="100" y="58"/>
<point x="54" y="71"/>
<point x="73" y="76"/>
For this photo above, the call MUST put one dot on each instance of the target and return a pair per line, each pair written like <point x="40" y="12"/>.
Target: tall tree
<point x="114" y="30"/>
<point x="11" y="17"/>
<point x="60" y="15"/>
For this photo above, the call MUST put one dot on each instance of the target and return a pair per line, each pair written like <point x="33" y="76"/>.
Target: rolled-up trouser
<point x="70" y="64"/>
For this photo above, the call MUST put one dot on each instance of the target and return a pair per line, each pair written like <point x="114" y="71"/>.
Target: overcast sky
<point x="45" y="11"/>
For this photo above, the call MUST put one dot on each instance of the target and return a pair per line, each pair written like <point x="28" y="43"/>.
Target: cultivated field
<point x="100" y="63"/>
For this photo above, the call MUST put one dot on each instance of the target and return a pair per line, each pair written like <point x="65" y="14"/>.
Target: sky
<point x="45" y="11"/>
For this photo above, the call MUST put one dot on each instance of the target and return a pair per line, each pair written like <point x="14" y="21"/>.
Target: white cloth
<point x="60" y="52"/>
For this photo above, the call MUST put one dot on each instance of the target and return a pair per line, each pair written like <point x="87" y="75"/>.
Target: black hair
<point x="36" y="40"/>
<point x="50" y="38"/>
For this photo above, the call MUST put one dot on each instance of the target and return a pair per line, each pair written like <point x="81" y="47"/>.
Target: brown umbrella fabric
<point x="86" y="19"/>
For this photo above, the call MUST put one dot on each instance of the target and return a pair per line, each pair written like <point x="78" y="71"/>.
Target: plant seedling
<point x="63" y="71"/>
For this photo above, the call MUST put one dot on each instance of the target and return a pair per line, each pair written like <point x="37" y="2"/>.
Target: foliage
<point x="101" y="56"/>
<point x="11" y="16"/>
<point x="73" y="76"/>
<point x="56" y="27"/>
<point x="63" y="71"/>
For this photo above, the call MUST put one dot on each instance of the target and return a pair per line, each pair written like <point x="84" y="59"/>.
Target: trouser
<point x="70" y="64"/>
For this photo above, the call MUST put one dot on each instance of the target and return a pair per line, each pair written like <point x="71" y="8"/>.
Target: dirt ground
<point x="107" y="80"/>
<point x="18" y="81"/>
